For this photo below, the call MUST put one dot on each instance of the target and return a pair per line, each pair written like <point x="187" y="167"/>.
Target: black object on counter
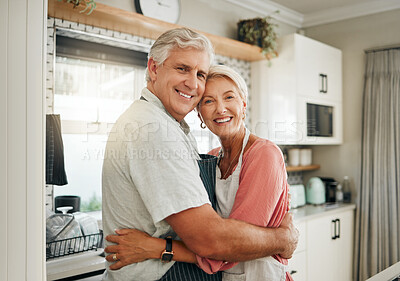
<point x="68" y="200"/>
<point x="330" y="189"/>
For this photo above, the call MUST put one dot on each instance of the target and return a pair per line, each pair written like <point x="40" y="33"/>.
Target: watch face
<point x="166" y="10"/>
<point x="166" y="257"/>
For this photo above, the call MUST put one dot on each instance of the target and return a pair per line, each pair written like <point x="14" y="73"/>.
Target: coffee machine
<point x="330" y="189"/>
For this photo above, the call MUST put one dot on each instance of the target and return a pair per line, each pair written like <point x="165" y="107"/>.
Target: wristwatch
<point x="167" y="254"/>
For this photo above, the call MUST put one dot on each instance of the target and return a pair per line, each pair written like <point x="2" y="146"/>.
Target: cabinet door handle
<point x="321" y="79"/>
<point x="293" y="272"/>
<point x="324" y="83"/>
<point x="338" y="228"/>
<point x="333" y="230"/>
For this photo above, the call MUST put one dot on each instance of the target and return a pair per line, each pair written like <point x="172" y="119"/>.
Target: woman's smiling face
<point x="222" y="108"/>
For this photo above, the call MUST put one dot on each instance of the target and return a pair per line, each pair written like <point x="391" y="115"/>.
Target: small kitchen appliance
<point x="320" y="120"/>
<point x="66" y="201"/>
<point x="330" y="189"/>
<point x="315" y="191"/>
<point x="297" y="195"/>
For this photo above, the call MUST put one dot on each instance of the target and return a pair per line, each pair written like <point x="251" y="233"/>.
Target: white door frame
<point x="22" y="139"/>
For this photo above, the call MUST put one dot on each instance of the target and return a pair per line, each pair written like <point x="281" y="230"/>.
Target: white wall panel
<point x="3" y="138"/>
<point x="36" y="29"/>
<point x="22" y="140"/>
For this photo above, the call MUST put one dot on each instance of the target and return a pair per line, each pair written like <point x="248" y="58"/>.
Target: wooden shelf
<point x="136" y="24"/>
<point x="302" y="168"/>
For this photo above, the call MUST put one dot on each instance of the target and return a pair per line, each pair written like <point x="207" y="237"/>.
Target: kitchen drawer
<point x="298" y="267"/>
<point x="301" y="246"/>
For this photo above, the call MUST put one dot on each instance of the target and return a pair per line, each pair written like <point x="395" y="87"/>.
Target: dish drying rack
<point x="74" y="245"/>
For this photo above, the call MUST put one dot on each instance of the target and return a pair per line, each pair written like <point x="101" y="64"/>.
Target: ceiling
<point x="306" y="13"/>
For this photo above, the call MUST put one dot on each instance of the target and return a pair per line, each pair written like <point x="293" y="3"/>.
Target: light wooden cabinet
<point x="330" y="247"/>
<point x="306" y="71"/>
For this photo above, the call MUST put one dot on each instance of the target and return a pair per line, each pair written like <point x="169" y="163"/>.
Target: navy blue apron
<point x="181" y="271"/>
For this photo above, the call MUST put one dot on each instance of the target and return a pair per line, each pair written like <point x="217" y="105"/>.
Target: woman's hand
<point x="291" y="234"/>
<point x="132" y="246"/>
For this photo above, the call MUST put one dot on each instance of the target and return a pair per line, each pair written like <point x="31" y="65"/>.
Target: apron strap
<point x="208" y="167"/>
<point x="245" y="141"/>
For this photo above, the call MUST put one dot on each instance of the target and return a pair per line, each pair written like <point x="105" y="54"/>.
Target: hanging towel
<point x="55" y="172"/>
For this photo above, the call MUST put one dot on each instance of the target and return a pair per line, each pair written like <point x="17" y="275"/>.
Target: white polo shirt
<point x="150" y="172"/>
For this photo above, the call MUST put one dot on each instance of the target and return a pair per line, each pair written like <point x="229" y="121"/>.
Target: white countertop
<point x="312" y="211"/>
<point x="389" y="274"/>
<point x="75" y="264"/>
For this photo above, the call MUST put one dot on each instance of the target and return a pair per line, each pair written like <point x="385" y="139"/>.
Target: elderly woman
<point x="251" y="185"/>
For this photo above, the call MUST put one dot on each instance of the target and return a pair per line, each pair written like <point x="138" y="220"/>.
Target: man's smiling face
<point x="180" y="81"/>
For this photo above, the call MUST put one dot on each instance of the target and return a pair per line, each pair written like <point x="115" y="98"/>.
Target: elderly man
<point x="151" y="172"/>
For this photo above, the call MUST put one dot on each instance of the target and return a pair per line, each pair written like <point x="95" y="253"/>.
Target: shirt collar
<point x="153" y="99"/>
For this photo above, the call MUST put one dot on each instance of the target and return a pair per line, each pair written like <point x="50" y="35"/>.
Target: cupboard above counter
<point x="298" y="98"/>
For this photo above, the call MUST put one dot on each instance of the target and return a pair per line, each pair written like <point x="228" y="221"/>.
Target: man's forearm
<point x="208" y="235"/>
<point x="240" y="241"/>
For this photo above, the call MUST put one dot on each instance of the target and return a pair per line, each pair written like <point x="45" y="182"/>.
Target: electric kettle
<point x="315" y="191"/>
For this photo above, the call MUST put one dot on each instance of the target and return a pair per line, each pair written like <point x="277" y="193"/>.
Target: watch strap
<point x="168" y="244"/>
<point x="167" y="254"/>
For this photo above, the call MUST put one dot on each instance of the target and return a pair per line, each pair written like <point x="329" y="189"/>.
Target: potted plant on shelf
<point x="89" y="5"/>
<point x="260" y="32"/>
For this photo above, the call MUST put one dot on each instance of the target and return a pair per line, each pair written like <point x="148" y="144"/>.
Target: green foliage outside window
<point x="93" y="204"/>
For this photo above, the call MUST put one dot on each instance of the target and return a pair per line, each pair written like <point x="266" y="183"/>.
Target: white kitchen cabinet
<point x="306" y="71"/>
<point x="330" y="247"/>
<point x="318" y="67"/>
<point x="318" y="256"/>
<point x="298" y="263"/>
<point x="298" y="266"/>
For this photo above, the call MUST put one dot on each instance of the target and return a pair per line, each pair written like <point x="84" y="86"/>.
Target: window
<point x="94" y="85"/>
<point x="204" y="138"/>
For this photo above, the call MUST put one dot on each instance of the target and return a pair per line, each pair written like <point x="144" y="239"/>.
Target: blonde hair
<point x="223" y="71"/>
<point x="179" y="38"/>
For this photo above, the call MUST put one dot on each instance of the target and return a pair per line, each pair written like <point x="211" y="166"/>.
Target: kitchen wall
<point x="217" y="17"/>
<point x="352" y="37"/>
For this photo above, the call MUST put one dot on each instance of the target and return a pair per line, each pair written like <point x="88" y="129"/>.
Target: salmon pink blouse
<point x="262" y="196"/>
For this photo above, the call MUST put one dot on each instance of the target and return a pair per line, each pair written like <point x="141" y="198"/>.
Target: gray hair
<point x="178" y="38"/>
<point x="223" y="71"/>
